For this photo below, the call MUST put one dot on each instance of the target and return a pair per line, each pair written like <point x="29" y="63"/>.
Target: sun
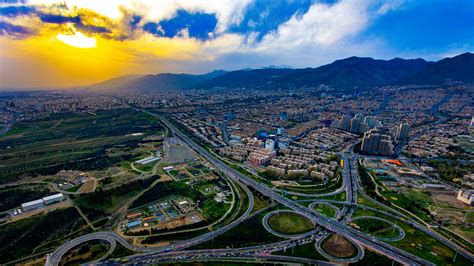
<point x="78" y="40"/>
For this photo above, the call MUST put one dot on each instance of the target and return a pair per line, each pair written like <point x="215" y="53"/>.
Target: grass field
<point x="21" y="238"/>
<point x="420" y="244"/>
<point x="72" y="141"/>
<point x="260" y="201"/>
<point x="120" y="252"/>
<point x="376" y="228"/>
<point x="85" y="252"/>
<point x="12" y="198"/>
<point x="325" y="210"/>
<point x="372" y="258"/>
<point x="340" y="197"/>
<point x="249" y="233"/>
<point x="101" y="203"/>
<point x="290" y="223"/>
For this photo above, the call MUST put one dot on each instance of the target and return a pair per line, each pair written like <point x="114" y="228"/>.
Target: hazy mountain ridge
<point x="162" y="81"/>
<point x="360" y="72"/>
<point x="458" y="68"/>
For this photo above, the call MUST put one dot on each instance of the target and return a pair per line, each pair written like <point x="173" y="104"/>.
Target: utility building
<point x="32" y="205"/>
<point x="53" y="198"/>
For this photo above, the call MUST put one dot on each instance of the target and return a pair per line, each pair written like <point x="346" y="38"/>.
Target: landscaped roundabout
<point x="287" y="224"/>
<point x="338" y="248"/>
<point x="382" y="229"/>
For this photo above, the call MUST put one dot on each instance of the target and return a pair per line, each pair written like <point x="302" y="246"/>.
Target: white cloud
<point x="322" y="25"/>
<point x="390" y="5"/>
<point x="226" y="43"/>
<point x="325" y="32"/>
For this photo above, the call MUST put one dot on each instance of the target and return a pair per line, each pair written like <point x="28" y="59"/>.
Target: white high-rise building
<point x="270" y="144"/>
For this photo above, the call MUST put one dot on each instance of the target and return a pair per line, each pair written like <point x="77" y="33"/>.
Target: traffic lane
<point x="381" y="247"/>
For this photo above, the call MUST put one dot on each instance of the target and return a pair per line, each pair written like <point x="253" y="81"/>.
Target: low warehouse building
<point x="53" y="198"/>
<point x="32" y="205"/>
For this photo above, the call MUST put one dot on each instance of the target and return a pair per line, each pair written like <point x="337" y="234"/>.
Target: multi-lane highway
<point x="328" y="223"/>
<point x="350" y="185"/>
<point x="407" y="220"/>
<point x="111" y="237"/>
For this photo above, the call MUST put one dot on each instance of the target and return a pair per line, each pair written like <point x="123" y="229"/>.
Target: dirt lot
<point x="88" y="186"/>
<point x="452" y="213"/>
<point x="446" y="198"/>
<point x="339" y="247"/>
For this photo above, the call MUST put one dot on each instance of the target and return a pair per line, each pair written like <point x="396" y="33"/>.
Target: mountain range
<point x="349" y="73"/>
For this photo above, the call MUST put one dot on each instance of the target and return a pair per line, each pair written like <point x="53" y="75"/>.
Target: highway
<point x="112" y="237"/>
<point x="328" y="223"/>
<point x="251" y="254"/>
<point x="408" y="220"/>
<point x="175" y="251"/>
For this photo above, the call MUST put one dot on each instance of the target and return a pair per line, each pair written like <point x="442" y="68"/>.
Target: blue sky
<point x="429" y="26"/>
<point x="141" y="36"/>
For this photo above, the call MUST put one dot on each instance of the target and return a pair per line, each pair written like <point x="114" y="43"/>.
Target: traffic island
<point x="287" y="224"/>
<point x="340" y="249"/>
<point x="88" y="252"/>
<point x="382" y="229"/>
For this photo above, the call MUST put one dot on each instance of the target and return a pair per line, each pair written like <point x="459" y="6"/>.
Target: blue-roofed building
<point x="262" y="134"/>
<point x="283" y="115"/>
<point x="134" y="224"/>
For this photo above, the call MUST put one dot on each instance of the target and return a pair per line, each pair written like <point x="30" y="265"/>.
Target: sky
<point x="47" y="43"/>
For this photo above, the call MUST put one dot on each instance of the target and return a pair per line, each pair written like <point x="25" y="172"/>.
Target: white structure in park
<point x="465" y="196"/>
<point x="40" y="203"/>
<point x="53" y="198"/>
<point x="32" y="205"/>
<point x="147" y="160"/>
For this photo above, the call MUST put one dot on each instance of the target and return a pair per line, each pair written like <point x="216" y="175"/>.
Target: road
<point x="350" y="184"/>
<point x="328" y="223"/>
<point x="250" y="254"/>
<point x="407" y="220"/>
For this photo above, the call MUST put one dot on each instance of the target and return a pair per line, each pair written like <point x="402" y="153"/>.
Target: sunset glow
<point x="78" y="40"/>
<point x="149" y="37"/>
